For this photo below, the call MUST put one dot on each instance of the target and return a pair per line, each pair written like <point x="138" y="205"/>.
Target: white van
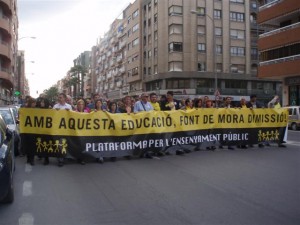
<point x="294" y="117"/>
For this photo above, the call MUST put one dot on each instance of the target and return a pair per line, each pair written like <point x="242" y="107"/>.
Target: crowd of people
<point x="144" y="102"/>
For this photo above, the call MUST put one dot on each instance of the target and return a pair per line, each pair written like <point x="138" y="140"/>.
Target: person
<point x="127" y="106"/>
<point x="198" y="102"/>
<point x="98" y="106"/>
<point x="43" y="103"/>
<point x="204" y="101"/>
<point x="113" y="108"/>
<point x="143" y="104"/>
<point x="62" y="105"/>
<point x="275" y="104"/>
<point x="242" y="103"/>
<point x="154" y="102"/>
<point x="80" y="107"/>
<point x="171" y="104"/>
<point x="91" y="106"/>
<point x="227" y="104"/>
<point x="188" y="104"/>
<point x="31" y="103"/>
<point x="253" y="104"/>
<point x="69" y="100"/>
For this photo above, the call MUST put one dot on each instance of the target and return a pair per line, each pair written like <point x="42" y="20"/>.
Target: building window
<point x="237" y="1"/>
<point x="219" y="67"/>
<point x="201" y="47"/>
<point x="201" y="67"/>
<point x="135" y="14"/>
<point x="175" y="10"/>
<point x="135" y="42"/>
<point x="129" y="32"/>
<point x="218" y="31"/>
<point x="149" y="39"/>
<point x="135" y="28"/>
<point x="135" y="71"/>
<point x="155" y="52"/>
<point x="175" y="47"/>
<point x="128" y="19"/>
<point x="155" y="35"/>
<point x="217" y="14"/>
<point x="175" y="66"/>
<point x="178" y="84"/>
<point x="155" y="18"/>
<point x="201" y="29"/>
<point x="237" y="51"/>
<point x="219" y="49"/>
<point x="237" y="34"/>
<point x="149" y="54"/>
<point x="237" y="68"/>
<point x="200" y="11"/>
<point x="155" y="69"/>
<point x="238" y="17"/>
<point x="175" y="29"/>
<point x="254" y="54"/>
<point x="149" y="71"/>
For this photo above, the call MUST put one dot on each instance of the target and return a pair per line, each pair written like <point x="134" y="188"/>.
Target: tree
<point x="72" y="83"/>
<point x="79" y="72"/>
<point x="51" y="93"/>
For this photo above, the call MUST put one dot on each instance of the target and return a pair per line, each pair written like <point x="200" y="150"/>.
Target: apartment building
<point x="191" y="47"/>
<point x="8" y="49"/>
<point x="279" y="46"/>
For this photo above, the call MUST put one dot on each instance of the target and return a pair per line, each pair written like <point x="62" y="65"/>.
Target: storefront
<point x="293" y="84"/>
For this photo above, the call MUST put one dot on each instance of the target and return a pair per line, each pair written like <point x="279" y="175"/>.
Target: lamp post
<point x="216" y="91"/>
<point x="32" y="37"/>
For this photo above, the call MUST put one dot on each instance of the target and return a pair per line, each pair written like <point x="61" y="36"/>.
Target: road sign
<point x="17" y="93"/>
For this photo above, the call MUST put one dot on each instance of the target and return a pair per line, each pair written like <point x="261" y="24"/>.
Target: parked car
<point x="10" y="116"/>
<point x="294" y="117"/>
<point x="7" y="163"/>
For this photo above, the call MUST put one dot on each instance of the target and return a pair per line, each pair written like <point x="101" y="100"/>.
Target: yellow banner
<point x="70" y="123"/>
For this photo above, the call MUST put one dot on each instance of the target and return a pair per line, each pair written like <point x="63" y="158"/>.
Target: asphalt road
<point x="253" y="186"/>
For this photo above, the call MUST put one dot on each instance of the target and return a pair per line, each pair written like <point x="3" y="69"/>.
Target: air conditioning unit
<point x="211" y="90"/>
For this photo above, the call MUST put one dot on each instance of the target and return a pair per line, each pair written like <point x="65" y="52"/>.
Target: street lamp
<point x="213" y="52"/>
<point x="26" y="37"/>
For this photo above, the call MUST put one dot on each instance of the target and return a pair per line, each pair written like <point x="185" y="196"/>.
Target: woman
<point x="81" y="108"/>
<point x="198" y="103"/>
<point x="113" y="108"/>
<point x="188" y="104"/>
<point x="99" y="107"/>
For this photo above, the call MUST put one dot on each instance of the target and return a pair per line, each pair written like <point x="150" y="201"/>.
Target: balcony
<point x="5" y="23"/>
<point x="119" y="84"/>
<point x="276" y="9"/>
<point x="4" y="49"/>
<point x="280" y="68"/>
<point x="279" y="37"/>
<point x="5" y="75"/>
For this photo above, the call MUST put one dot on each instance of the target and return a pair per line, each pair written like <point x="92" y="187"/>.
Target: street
<point x="244" y="186"/>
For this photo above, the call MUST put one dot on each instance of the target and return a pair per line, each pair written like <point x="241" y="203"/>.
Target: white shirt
<point x="60" y="106"/>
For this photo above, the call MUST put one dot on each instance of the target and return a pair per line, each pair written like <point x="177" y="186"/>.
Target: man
<point x="69" y="100"/>
<point x="154" y="102"/>
<point x="91" y="105"/>
<point x="143" y="104"/>
<point x="253" y="104"/>
<point x="61" y="104"/>
<point x="227" y="104"/>
<point x="171" y="104"/>
<point x="275" y="104"/>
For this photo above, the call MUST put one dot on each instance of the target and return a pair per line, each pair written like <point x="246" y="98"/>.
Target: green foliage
<point x="51" y="93"/>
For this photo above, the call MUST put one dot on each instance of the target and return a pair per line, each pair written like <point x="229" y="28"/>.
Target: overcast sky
<point x="63" y="29"/>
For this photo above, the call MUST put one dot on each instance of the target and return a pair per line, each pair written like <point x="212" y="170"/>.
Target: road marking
<point x="28" y="168"/>
<point x="27" y="188"/>
<point x="293" y="143"/>
<point x="26" y="219"/>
